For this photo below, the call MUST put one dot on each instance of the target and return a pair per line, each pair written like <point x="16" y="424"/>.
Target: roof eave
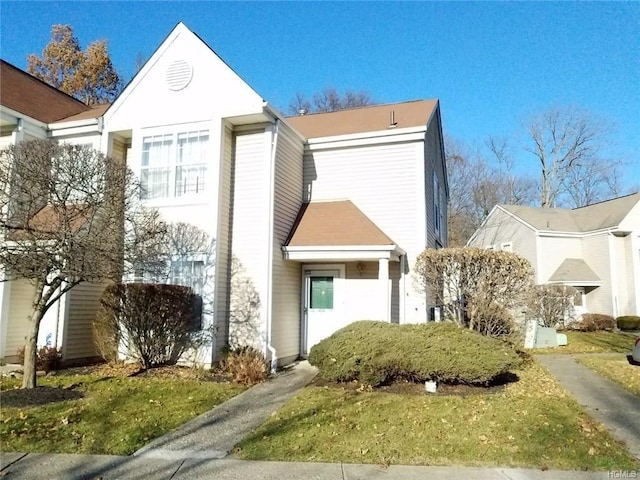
<point x="341" y="252"/>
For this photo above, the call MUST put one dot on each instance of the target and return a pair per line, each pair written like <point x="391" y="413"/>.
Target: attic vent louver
<point x="178" y="75"/>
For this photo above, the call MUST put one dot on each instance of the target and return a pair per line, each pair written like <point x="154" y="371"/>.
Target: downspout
<point x="272" y="172"/>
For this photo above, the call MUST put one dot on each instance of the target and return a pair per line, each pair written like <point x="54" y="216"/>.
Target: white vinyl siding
<point x="250" y="227"/>
<point x="596" y="254"/>
<point x="21" y="297"/>
<point x="223" y="242"/>
<point x="286" y="288"/>
<point x="380" y="180"/>
<point x="433" y="167"/>
<point x="83" y="302"/>
<point x="362" y="292"/>
<point x="554" y="251"/>
<point x="500" y="228"/>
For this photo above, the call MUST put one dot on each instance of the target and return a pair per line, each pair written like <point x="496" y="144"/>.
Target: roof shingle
<point x="338" y="223"/>
<point x="365" y="119"/>
<point x="30" y="96"/>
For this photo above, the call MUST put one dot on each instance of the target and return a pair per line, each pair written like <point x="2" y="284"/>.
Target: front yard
<point x="99" y="413"/>
<point x="593" y="342"/>
<point x="616" y="368"/>
<point x="530" y="423"/>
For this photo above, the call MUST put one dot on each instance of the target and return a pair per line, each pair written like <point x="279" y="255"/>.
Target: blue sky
<point x="490" y="64"/>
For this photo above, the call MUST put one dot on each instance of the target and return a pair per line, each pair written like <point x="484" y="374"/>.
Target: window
<point x="174" y="165"/>
<point x="437" y="206"/>
<point x="321" y="294"/>
<point x="189" y="273"/>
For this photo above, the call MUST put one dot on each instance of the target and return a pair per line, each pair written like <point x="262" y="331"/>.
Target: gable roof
<point x="34" y="98"/>
<point x="607" y="214"/>
<point x="338" y="223"/>
<point x="414" y="113"/>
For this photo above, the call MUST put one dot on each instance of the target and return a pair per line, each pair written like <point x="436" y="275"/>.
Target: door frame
<point x="337" y="271"/>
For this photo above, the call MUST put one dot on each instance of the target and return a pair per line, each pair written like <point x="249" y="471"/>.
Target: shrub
<point x="593" y="322"/>
<point x="628" y="322"/>
<point x="157" y="322"/>
<point x="378" y="352"/>
<point x="552" y="304"/>
<point x="245" y="365"/>
<point x="47" y="358"/>
<point x="471" y="285"/>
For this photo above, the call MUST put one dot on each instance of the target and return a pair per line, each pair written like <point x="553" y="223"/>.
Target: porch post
<point x="383" y="279"/>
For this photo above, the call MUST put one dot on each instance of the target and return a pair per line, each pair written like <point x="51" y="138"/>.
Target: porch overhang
<point x="337" y="231"/>
<point x="348" y="253"/>
<point x="575" y="272"/>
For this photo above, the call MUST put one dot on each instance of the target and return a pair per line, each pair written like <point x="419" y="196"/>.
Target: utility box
<point x="542" y="337"/>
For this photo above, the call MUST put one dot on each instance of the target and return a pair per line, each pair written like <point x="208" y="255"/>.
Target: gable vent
<point x="179" y="74"/>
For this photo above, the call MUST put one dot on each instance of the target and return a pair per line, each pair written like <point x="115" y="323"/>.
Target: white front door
<point x="323" y="310"/>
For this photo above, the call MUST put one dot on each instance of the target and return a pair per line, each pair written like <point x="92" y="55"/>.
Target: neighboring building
<point x="31" y="109"/>
<point x="595" y="249"/>
<point x="317" y="219"/>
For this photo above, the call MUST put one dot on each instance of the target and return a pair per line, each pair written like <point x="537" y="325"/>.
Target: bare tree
<point x="329" y="100"/>
<point x="552" y="304"/>
<point x="566" y="144"/>
<point x="475" y="187"/>
<point x="68" y="215"/>
<point x="88" y="76"/>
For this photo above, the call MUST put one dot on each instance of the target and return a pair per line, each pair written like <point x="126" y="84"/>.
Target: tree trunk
<point x="30" y="351"/>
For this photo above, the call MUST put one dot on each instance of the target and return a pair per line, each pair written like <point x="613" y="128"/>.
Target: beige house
<point x="317" y="219"/>
<point x="595" y="248"/>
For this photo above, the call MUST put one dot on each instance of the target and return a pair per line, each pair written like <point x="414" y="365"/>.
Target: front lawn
<point x="593" y="342"/>
<point x="616" y="368"/>
<point x="97" y="414"/>
<point x="530" y="423"/>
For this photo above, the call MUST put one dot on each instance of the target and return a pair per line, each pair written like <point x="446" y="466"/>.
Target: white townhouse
<point x="317" y="219"/>
<point x="595" y="249"/>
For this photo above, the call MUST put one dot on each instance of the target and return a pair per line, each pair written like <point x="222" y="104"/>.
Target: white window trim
<point x="135" y="160"/>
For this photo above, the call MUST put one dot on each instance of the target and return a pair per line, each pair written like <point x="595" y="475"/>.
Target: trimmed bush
<point x="376" y="353"/>
<point x="47" y="358"/>
<point x="157" y="322"/>
<point x="594" y="322"/>
<point x="628" y="322"/>
<point x="245" y="365"/>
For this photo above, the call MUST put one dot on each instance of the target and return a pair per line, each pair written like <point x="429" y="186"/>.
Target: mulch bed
<point x="404" y="387"/>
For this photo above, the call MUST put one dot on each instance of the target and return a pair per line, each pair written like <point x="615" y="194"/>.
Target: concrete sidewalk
<point x="606" y="402"/>
<point x="105" y="467"/>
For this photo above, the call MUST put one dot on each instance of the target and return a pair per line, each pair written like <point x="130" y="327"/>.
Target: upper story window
<point x="174" y="165"/>
<point x="438" y="216"/>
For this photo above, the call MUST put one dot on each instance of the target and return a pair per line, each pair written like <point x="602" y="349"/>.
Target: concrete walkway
<point x="214" y="433"/>
<point x="606" y="402"/>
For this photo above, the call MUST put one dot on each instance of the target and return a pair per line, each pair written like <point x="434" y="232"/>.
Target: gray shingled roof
<point x="601" y="215"/>
<point x="575" y="271"/>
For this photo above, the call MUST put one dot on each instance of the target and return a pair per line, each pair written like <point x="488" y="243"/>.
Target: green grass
<point x="592" y="342"/>
<point x="616" y="368"/>
<point x="530" y="423"/>
<point x="98" y="415"/>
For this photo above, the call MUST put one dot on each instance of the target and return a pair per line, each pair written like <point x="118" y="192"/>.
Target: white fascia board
<point x="342" y="252"/>
<point x="86" y="122"/>
<point x="79" y="130"/>
<point x="593" y="233"/>
<point x="25" y="118"/>
<point x="576" y="283"/>
<point x="410" y="134"/>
